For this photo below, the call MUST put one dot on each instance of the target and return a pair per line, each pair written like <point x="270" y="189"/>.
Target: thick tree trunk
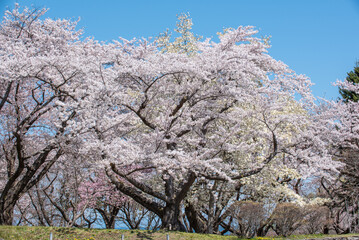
<point x="171" y="218"/>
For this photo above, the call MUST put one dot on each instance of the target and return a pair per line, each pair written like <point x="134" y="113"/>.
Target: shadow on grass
<point x="66" y="230"/>
<point x="144" y="235"/>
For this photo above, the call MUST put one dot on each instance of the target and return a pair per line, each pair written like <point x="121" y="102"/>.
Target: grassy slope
<point x="43" y="233"/>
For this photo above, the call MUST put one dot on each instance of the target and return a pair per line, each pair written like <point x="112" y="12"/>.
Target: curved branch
<point x="135" y="194"/>
<point x="143" y="187"/>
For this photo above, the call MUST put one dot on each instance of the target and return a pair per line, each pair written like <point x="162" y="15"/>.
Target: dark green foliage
<point x="353" y="77"/>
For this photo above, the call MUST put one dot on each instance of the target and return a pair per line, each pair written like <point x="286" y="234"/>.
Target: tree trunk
<point x="263" y="230"/>
<point x="326" y="229"/>
<point x="109" y="216"/>
<point x="210" y="217"/>
<point x="6" y="214"/>
<point x="171" y="218"/>
<point x="110" y="224"/>
<point x="170" y="207"/>
<point x="22" y="180"/>
<point x="194" y="221"/>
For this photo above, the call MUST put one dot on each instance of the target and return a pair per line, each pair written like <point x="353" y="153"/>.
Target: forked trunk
<point x="171" y="218"/>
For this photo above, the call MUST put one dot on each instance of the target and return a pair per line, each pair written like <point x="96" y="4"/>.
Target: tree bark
<point x="7" y="213"/>
<point x="171" y="218"/>
<point x="210" y="220"/>
<point x="195" y="222"/>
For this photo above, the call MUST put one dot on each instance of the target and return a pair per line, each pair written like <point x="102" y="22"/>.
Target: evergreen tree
<point x="353" y="77"/>
<point x="345" y="192"/>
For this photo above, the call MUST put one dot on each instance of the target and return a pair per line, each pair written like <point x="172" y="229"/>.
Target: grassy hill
<point x="43" y="233"/>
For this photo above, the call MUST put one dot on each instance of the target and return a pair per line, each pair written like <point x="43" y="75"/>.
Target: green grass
<point x="43" y="233"/>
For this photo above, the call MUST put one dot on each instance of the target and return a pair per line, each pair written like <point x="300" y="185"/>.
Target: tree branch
<point x="135" y="194"/>
<point x="141" y="186"/>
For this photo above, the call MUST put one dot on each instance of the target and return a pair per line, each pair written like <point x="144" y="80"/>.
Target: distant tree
<point x="286" y="218"/>
<point x="316" y="219"/>
<point x="249" y="217"/>
<point x="186" y="40"/>
<point x="102" y="197"/>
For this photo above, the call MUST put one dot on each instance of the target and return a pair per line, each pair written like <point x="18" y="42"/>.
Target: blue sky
<point x="318" y="38"/>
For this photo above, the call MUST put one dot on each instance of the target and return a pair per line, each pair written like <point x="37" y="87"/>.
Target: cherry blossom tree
<point x="225" y="113"/>
<point x="42" y="63"/>
<point x="97" y="193"/>
<point x="158" y="117"/>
